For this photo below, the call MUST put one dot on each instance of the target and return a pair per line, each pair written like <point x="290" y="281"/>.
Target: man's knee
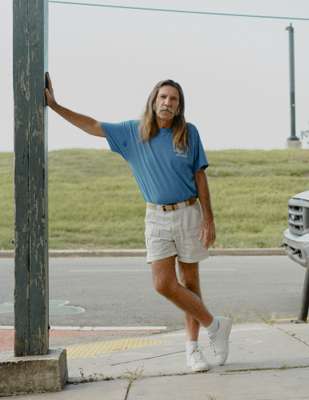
<point x="164" y="276"/>
<point x="164" y="287"/>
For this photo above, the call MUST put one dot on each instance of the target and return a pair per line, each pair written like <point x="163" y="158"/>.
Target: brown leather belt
<point x="173" y="207"/>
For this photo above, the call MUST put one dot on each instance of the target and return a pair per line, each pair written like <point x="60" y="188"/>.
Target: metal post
<point x="305" y="300"/>
<point x="290" y="29"/>
<point x="30" y="37"/>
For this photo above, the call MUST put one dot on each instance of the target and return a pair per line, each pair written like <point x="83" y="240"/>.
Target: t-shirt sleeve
<point x="199" y="159"/>
<point x="118" y="137"/>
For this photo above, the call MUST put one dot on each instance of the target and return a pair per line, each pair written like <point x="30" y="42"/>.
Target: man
<point x="168" y="161"/>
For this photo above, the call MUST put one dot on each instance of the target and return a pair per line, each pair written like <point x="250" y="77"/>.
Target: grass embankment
<point x="94" y="201"/>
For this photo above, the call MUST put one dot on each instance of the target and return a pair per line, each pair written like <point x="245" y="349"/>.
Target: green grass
<point x="94" y="201"/>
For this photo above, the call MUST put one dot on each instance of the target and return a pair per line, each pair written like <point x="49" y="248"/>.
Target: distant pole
<point x="31" y="301"/>
<point x="293" y="136"/>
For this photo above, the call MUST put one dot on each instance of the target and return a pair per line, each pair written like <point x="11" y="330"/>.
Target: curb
<point x="142" y="252"/>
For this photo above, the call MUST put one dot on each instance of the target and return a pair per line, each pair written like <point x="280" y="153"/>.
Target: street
<point x="118" y="291"/>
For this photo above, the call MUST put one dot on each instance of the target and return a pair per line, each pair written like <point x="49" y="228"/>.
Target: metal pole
<point x="305" y="300"/>
<point x="30" y="37"/>
<point x="290" y="29"/>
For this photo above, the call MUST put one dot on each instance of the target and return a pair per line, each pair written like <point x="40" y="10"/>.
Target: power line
<point x="167" y="10"/>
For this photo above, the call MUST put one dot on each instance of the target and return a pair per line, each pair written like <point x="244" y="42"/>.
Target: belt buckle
<point x="169" y="207"/>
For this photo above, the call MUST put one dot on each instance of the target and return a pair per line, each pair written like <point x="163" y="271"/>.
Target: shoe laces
<point x="213" y="347"/>
<point x="197" y="355"/>
<point x="212" y="340"/>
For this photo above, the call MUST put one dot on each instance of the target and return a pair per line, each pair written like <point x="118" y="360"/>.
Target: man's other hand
<point x="208" y="233"/>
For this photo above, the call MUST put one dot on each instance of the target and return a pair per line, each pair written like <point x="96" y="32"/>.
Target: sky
<point x="234" y="71"/>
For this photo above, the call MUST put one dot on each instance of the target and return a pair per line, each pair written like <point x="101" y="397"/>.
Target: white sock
<point x="213" y="327"/>
<point x="191" y="345"/>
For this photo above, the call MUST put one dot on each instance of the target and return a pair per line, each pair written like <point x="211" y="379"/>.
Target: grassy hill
<point x="94" y="201"/>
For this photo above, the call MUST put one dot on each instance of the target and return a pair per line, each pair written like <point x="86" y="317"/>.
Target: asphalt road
<point x="118" y="291"/>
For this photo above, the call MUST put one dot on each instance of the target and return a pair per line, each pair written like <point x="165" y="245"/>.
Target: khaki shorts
<point x="174" y="233"/>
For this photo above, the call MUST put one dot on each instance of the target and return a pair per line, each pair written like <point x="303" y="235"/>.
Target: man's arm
<point x="208" y="231"/>
<point x="83" y="122"/>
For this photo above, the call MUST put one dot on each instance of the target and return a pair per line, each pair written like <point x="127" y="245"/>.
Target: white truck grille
<point x="298" y="216"/>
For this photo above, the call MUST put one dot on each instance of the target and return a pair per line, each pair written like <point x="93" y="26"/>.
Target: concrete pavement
<point x="266" y="361"/>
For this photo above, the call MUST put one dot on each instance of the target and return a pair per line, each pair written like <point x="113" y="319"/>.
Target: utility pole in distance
<point x="292" y="141"/>
<point x="35" y="368"/>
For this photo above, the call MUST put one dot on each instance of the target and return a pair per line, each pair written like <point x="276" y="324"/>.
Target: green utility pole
<point x="30" y="35"/>
<point x="293" y="136"/>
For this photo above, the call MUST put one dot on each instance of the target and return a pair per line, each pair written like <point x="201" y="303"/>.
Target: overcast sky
<point x="234" y="71"/>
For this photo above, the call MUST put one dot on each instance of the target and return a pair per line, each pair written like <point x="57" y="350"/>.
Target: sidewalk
<point x="266" y="361"/>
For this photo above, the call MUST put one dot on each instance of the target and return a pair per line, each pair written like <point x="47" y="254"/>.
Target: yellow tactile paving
<point x="94" y="349"/>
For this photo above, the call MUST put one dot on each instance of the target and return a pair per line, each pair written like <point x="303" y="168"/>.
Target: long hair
<point x="148" y="124"/>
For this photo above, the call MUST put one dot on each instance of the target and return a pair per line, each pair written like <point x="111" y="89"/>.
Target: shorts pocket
<point x="192" y="233"/>
<point x="191" y="243"/>
<point x="192" y="218"/>
<point x="151" y="230"/>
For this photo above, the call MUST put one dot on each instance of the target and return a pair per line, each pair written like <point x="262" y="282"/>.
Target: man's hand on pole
<point x="49" y="92"/>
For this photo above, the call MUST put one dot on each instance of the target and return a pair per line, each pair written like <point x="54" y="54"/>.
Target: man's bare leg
<point x="189" y="277"/>
<point x="166" y="283"/>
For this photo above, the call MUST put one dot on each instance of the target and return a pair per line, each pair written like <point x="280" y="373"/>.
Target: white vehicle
<point x="296" y="237"/>
<point x="296" y="243"/>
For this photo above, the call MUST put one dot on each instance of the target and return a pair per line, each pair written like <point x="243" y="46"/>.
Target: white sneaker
<point x="219" y="341"/>
<point x="197" y="361"/>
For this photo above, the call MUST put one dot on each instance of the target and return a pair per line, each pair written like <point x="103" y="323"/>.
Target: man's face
<point x="167" y="103"/>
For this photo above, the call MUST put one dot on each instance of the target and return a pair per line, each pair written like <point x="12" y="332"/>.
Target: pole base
<point x="33" y="374"/>
<point x="293" y="144"/>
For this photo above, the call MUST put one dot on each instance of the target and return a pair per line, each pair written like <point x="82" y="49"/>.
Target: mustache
<point x="167" y="109"/>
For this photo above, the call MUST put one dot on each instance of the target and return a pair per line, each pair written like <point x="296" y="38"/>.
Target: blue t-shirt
<point x="164" y="174"/>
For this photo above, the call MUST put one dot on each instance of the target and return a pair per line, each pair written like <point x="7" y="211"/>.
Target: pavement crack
<point x="132" y="376"/>
<point x="146" y="358"/>
<point x="232" y="371"/>
<point x="283" y="367"/>
<point x="128" y="390"/>
<point x="91" y="378"/>
<point x="293" y="336"/>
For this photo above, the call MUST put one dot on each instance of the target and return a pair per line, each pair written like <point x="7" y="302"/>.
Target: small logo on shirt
<point x="180" y="152"/>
